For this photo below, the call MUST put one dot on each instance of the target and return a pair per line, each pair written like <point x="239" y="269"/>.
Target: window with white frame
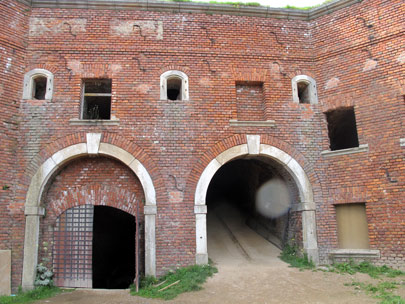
<point x="174" y="86"/>
<point x="304" y="89"/>
<point x="38" y="84"/>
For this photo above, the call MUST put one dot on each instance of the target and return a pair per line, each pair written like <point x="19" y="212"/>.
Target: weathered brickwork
<point x="356" y="55"/>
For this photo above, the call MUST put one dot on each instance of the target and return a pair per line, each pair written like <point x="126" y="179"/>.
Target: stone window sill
<point x="94" y="122"/>
<point x="253" y="123"/>
<point x="359" y="149"/>
<point x="355" y="253"/>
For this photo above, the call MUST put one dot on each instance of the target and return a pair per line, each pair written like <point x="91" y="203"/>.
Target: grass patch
<point x="38" y="293"/>
<point x="383" y="291"/>
<point x="366" y="267"/>
<point x="292" y="256"/>
<point x="188" y="279"/>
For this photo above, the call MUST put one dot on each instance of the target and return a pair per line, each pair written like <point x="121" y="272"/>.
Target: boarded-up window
<point x="352" y="226"/>
<point x="250" y="101"/>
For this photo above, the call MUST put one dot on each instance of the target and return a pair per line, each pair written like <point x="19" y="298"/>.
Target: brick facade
<point x="356" y="55"/>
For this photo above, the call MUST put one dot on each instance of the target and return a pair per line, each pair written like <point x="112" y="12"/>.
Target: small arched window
<point x="38" y="84"/>
<point x="174" y="86"/>
<point x="304" y="89"/>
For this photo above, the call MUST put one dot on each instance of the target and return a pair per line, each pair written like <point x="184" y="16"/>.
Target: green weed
<point x="292" y="256"/>
<point x="366" y="267"/>
<point x="183" y="280"/>
<point x="38" y="293"/>
<point x="383" y="291"/>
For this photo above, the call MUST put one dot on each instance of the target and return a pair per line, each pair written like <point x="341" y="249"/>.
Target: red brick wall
<point x="355" y="55"/>
<point x="363" y="50"/>
<point x="13" y="42"/>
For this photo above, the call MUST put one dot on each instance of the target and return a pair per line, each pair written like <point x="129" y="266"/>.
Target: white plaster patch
<point x="143" y="88"/>
<point x="401" y="58"/>
<point x="75" y="66"/>
<point x="115" y="68"/>
<point x="253" y="142"/>
<point x="145" y="28"/>
<point x="332" y="83"/>
<point x="41" y="26"/>
<point x="369" y="65"/>
<point x="93" y="142"/>
<point x="8" y="65"/>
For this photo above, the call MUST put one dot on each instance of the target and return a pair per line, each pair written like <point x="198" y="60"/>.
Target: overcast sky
<point x="278" y="3"/>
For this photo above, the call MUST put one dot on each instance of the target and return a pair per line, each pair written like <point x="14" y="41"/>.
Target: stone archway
<point x="254" y="147"/>
<point x="33" y="211"/>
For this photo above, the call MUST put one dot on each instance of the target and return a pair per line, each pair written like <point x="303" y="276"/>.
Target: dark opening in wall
<point x="303" y="92"/>
<point x="174" y="88"/>
<point x="342" y="128"/>
<point x="113" y="248"/>
<point x="97" y="99"/>
<point x="39" y="87"/>
<point x="235" y="195"/>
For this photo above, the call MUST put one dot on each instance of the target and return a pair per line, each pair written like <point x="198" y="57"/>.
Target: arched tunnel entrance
<point x="249" y="201"/>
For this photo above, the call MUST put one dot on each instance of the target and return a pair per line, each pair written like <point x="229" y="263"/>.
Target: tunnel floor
<point x="231" y="241"/>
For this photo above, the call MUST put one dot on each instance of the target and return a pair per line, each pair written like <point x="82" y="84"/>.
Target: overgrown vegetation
<point x="365" y="267"/>
<point x="292" y="255"/>
<point x="44" y="276"/>
<point x="38" y="293"/>
<point x="175" y="282"/>
<point x="383" y="291"/>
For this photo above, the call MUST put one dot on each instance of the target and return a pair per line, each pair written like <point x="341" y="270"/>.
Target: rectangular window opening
<point x="352" y="226"/>
<point x="96" y="99"/>
<point x="342" y="128"/>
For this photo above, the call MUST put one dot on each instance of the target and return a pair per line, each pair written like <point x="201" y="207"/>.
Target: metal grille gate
<point x="72" y="251"/>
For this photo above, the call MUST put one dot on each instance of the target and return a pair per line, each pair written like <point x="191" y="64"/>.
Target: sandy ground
<point x="248" y="272"/>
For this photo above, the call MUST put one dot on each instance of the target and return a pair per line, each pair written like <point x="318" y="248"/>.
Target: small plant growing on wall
<point x="44" y="276"/>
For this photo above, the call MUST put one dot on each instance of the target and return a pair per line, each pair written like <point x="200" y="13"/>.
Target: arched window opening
<point x="39" y="87"/>
<point x="304" y="89"/>
<point x="174" y="88"/>
<point x="303" y="92"/>
<point x="38" y="84"/>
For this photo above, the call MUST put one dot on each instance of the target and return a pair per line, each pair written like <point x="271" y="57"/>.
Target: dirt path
<point x="249" y="272"/>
